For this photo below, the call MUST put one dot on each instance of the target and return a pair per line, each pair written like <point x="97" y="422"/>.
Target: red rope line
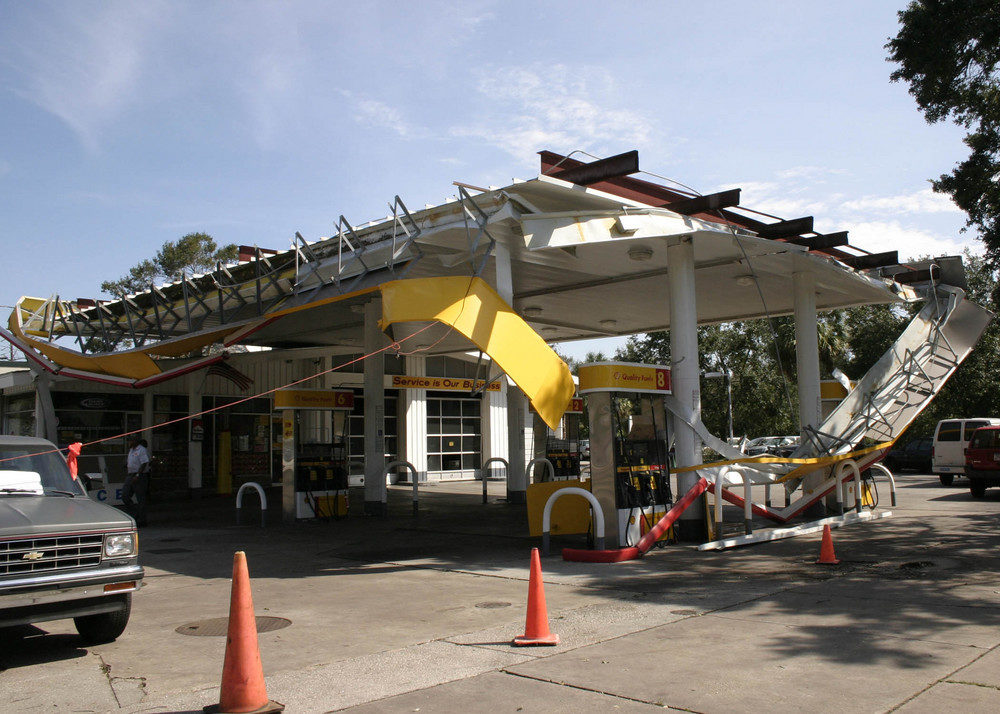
<point x="395" y="345"/>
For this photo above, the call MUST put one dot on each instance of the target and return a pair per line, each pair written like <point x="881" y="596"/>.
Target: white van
<point x="950" y="439"/>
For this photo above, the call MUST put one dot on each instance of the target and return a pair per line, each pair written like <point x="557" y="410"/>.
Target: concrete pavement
<point x="405" y="614"/>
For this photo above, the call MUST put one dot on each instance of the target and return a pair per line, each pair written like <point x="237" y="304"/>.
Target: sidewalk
<point x="403" y="614"/>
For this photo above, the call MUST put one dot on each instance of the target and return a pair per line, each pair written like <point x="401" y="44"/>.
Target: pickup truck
<point x="62" y="555"/>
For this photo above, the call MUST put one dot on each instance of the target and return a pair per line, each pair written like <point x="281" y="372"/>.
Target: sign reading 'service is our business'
<point x="624" y="377"/>
<point x="461" y="384"/>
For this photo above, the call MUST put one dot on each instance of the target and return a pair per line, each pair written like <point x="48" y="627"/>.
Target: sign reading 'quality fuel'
<point x="624" y="377"/>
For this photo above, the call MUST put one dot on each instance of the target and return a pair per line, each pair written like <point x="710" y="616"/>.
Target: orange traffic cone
<point x="536" y="625"/>
<point x="242" y="688"/>
<point x="826" y="555"/>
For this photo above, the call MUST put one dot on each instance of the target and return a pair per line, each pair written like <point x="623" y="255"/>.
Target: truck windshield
<point x="18" y="464"/>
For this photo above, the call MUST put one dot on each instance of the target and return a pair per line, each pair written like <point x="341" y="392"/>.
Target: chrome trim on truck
<point x="56" y="588"/>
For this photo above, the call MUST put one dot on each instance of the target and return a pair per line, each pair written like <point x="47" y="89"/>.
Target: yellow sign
<point x="313" y="399"/>
<point x="624" y="377"/>
<point x="459" y="384"/>
<point x="575" y="406"/>
<point x="832" y="389"/>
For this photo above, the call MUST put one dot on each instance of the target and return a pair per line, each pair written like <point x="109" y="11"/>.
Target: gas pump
<point x="563" y="449"/>
<point x="629" y="449"/>
<point x="314" y="452"/>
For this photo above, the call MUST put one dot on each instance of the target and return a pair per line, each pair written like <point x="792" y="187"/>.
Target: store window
<point x="19" y="415"/>
<point x="169" y="440"/>
<point x="100" y="421"/>
<point x="454" y="434"/>
<point x="238" y="440"/>
<point x="356" y="434"/>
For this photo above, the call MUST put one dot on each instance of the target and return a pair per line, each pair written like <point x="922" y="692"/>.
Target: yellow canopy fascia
<point x="475" y="310"/>
<point x="469" y="305"/>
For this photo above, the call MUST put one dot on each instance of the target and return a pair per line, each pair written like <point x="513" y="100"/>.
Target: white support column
<point x="517" y="482"/>
<point x="494" y="424"/>
<point x="415" y="421"/>
<point x="196" y="436"/>
<point x="374" y="384"/>
<point x="685" y="377"/>
<point x="807" y="349"/>
<point x="807" y="364"/>
<point x="45" y="412"/>
<point x="539" y="436"/>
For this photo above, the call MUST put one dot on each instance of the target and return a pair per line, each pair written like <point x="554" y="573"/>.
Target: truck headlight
<point x="119" y="545"/>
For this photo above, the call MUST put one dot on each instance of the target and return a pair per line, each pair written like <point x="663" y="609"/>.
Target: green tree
<point x="193" y="253"/>
<point x="947" y="51"/>
<point x="747" y="350"/>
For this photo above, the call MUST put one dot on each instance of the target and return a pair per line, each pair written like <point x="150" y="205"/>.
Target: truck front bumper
<point x="62" y="587"/>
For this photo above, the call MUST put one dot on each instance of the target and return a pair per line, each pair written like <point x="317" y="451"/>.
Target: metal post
<point x="747" y="504"/>
<point x="196" y="439"/>
<point x="414" y="476"/>
<point x="685" y="376"/>
<point x="729" y="401"/>
<point x="288" y="428"/>
<point x="376" y="494"/>
<point x="719" y="485"/>
<point x="485" y="471"/>
<point x="838" y="490"/>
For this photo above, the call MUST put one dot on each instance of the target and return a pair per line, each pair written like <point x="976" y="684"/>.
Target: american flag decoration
<point x="227" y="371"/>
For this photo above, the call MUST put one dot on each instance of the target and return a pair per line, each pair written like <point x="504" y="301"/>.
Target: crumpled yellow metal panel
<point x="475" y="310"/>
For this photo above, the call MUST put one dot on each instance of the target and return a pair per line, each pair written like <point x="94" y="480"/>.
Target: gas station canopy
<point x="577" y="252"/>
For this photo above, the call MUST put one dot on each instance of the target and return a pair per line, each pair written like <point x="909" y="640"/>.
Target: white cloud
<point x="83" y="63"/>
<point x="922" y="201"/>
<point x="808" y="172"/>
<point x="916" y="223"/>
<point x="879" y="236"/>
<point x="372" y="112"/>
<point x="561" y="107"/>
<point x="780" y="199"/>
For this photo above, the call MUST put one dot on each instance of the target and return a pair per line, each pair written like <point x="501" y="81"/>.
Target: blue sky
<point x="125" y="125"/>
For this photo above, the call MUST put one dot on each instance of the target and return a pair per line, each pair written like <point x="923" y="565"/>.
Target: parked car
<point x="982" y="460"/>
<point x="774" y="445"/>
<point x="585" y="449"/>
<point x="786" y="447"/>
<point x="951" y="437"/>
<point x="915" y="456"/>
<point x="62" y="555"/>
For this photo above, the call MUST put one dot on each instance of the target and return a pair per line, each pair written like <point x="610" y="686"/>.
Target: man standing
<point x="137" y="481"/>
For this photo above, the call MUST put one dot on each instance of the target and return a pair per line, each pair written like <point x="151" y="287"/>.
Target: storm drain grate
<point x="219" y="626"/>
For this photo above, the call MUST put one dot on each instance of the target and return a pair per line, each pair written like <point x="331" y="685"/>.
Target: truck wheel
<point x="104" y="627"/>
<point x="947" y="479"/>
<point x="977" y="487"/>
